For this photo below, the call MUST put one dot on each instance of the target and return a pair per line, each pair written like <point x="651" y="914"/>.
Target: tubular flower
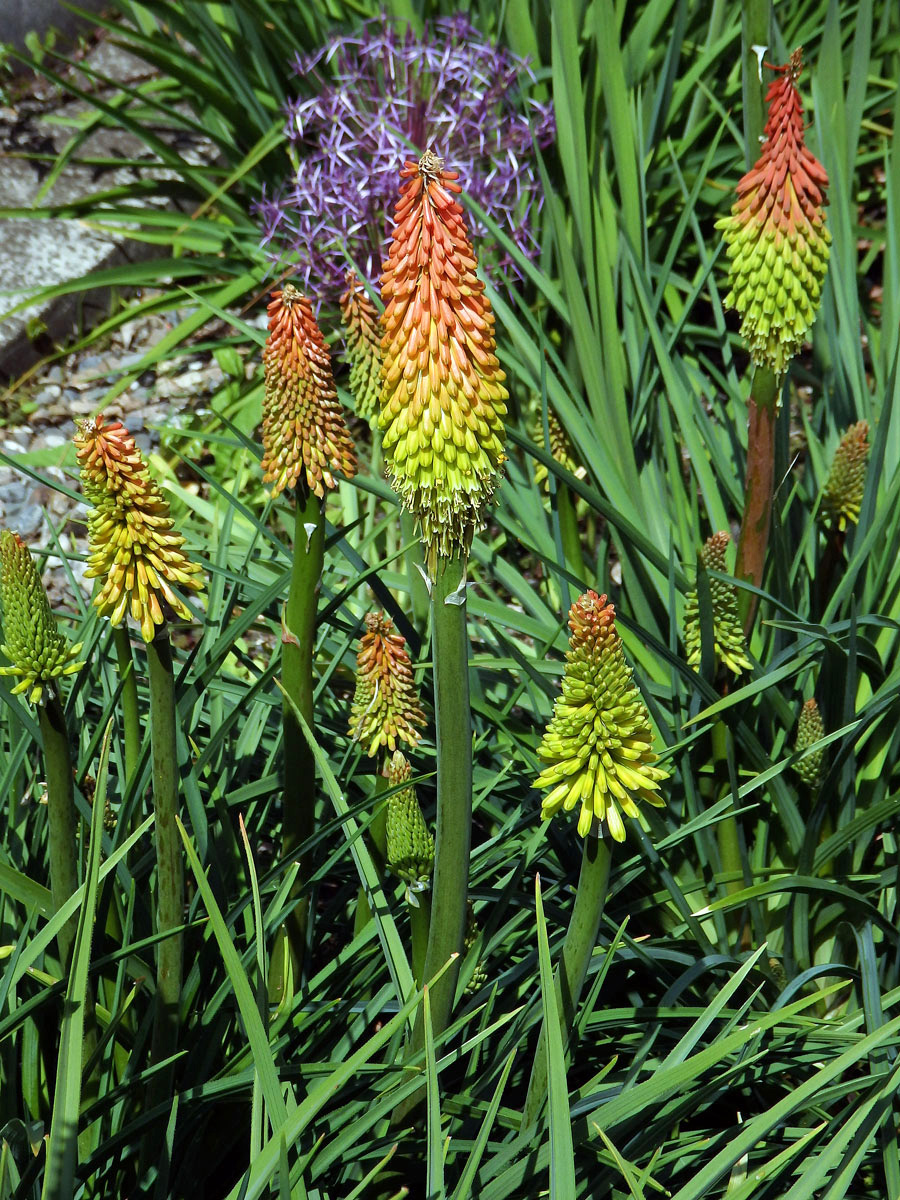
<point x="842" y="497"/>
<point x="599" y="742"/>
<point x="37" y="651"/>
<point x="810" y="728"/>
<point x="410" y="847"/>
<point x="728" y="634"/>
<point x="132" y="545"/>
<point x="386" y="702"/>
<point x="362" y="327"/>
<point x="442" y="399"/>
<point x="560" y="447"/>
<point x="776" y="235"/>
<point x="304" y="434"/>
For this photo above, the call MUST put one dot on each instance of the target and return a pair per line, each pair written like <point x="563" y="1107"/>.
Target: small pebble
<point x="30" y="520"/>
<point x="48" y="394"/>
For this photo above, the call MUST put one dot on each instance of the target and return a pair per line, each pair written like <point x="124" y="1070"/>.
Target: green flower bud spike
<point x="810" y="729"/>
<point x="363" y="333"/>
<point x="843" y="493"/>
<point x="560" y="447"/>
<point x="38" y="653"/>
<point x="728" y="633"/>
<point x="776" y="235"/>
<point x="598" y="745"/>
<point x="410" y="847"/>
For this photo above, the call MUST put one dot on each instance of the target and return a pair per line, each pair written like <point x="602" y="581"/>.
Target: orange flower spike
<point x="443" y="395"/>
<point x="386" y="702"/>
<point x="305" y="437"/>
<point x="362" y="329"/>
<point x="133" y="546"/>
<point x="776" y="235"/>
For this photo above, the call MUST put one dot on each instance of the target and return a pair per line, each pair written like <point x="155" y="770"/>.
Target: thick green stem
<point x="419" y="922"/>
<point x="453" y="832"/>
<point x="756" y="22"/>
<point x="298" y="649"/>
<point x="61" y="818"/>
<point x="131" y="719"/>
<point x="452" y="718"/>
<point x="581" y="938"/>
<point x="169" y="857"/>
<point x="758" y="489"/>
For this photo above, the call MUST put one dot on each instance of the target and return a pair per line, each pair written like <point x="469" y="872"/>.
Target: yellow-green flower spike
<point x="810" y="729"/>
<point x="479" y="975"/>
<point x="443" y="396"/>
<point x="599" y="744"/>
<point x="38" y="653"/>
<point x="729" y="643"/>
<point x="410" y="846"/>
<point x="363" y="333"/>
<point x="560" y="447"/>
<point x="305" y="437"/>
<point x="776" y="235"/>
<point x="843" y="494"/>
<point x="133" y="546"/>
<point x="386" y="701"/>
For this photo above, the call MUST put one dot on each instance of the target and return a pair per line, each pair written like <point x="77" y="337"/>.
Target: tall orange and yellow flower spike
<point x="443" y="397"/>
<point x="776" y="235"/>
<point x="305" y="437"/>
<point x="133" y="547"/>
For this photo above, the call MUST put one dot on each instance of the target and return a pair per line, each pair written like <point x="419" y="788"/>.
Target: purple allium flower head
<point x="381" y="96"/>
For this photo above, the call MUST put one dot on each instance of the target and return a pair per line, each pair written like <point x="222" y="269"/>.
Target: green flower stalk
<point x="729" y="644"/>
<point x="598" y="745"/>
<point x="442" y="409"/>
<point x="136" y="552"/>
<point x="778" y="243"/>
<point x="38" y="653"/>
<point x="843" y="493"/>
<point x="305" y="443"/>
<point x="363" y="334"/>
<point x="810" y="729"/>
<point x="410" y="855"/>
<point x="385" y="706"/>
<point x="39" y="656"/>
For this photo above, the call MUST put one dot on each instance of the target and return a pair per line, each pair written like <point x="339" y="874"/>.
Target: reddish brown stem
<point x="754" y="539"/>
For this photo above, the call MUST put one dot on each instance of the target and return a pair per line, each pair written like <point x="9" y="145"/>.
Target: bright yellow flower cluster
<point x="133" y="547"/>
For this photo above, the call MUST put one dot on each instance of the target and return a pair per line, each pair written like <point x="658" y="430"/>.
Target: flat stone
<point x="30" y="519"/>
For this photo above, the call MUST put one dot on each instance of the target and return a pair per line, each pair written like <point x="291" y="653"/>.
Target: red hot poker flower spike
<point x="442" y="399"/>
<point x="305" y="438"/>
<point x="776" y="234"/>
<point x="362" y="329"/>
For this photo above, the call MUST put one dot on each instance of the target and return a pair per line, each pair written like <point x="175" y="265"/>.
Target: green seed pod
<point x="410" y="847"/>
